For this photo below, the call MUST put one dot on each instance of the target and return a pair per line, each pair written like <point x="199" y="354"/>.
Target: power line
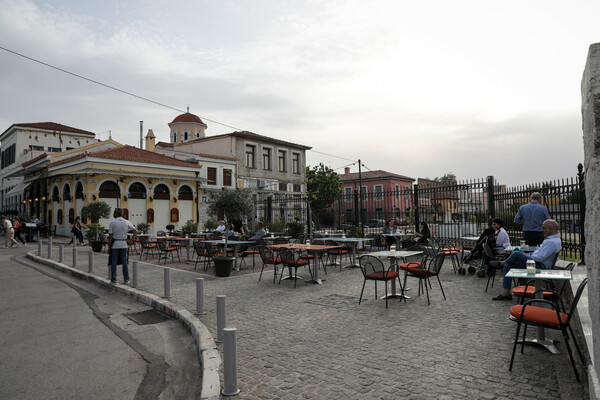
<point x="111" y="87"/>
<point x="138" y="96"/>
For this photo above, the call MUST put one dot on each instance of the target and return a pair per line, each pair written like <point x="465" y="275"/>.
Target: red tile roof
<point x="130" y="153"/>
<point x="33" y="160"/>
<point x="372" y="175"/>
<point x="51" y="126"/>
<point x="187" y="117"/>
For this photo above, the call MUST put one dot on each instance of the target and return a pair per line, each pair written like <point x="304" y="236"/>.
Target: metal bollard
<point x="221" y="317"/>
<point x="39" y="247"/>
<point x="39" y="237"/>
<point x="200" y="296"/>
<point x="230" y="387"/>
<point x="61" y="253"/>
<point x="74" y="257"/>
<point x="50" y="248"/>
<point x="188" y="249"/>
<point x="134" y="274"/>
<point x="167" y="282"/>
<point x="90" y="261"/>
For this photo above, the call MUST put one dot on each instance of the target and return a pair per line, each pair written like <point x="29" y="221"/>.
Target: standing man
<point x="532" y="216"/>
<point x="9" y="232"/>
<point x="117" y="243"/>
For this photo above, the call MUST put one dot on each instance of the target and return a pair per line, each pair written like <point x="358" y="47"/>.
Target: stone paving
<point x="317" y="342"/>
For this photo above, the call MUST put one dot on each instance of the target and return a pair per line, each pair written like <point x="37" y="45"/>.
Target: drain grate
<point x="334" y="301"/>
<point x="147" y="317"/>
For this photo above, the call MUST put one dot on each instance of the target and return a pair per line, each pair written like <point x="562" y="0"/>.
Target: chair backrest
<point x="425" y="249"/>
<point x="329" y="242"/>
<point x="352" y="234"/>
<point x="280" y="240"/>
<point x="162" y="244"/>
<point x="317" y="235"/>
<point x="554" y="261"/>
<point x="198" y="247"/>
<point x="287" y="256"/>
<point x="582" y="286"/>
<point x="488" y="251"/>
<point x="266" y="254"/>
<point x="370" y="264"/>
<point x="161" y="233"/>
<point x="301" y="239"/>
<point x="143" y="240"/>
<point x="260" y="242"/>
<point x="436" y="263"/>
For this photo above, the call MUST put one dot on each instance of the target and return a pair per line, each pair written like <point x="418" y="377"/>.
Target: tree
<point x="323" y="187"/>
<point x="96" y="210"/>
<point x="231" y="204"/>
<point x="450" y="177"/>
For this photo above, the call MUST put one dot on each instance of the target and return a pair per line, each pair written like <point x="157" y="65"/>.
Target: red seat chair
<point x="426" y="271"/>
<point x="268" y="257"/>
<point x="290" y="261"/>
<point x="335" y="253"/>
<point x="166" y="251"/>
<point x="550" y="318"/>
<point x="374" y="270"/>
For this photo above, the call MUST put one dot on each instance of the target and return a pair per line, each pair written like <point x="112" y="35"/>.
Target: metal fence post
<point x="167" y="282"/>
<point x="50" y="248"/>
<point x="61" y="253"/>
<point x="230" y="387"/>
<point x="134" y="273"/>
<point x="221" y="317"/>
<point x="74" y="257"/>
<point x="90" y="261"/>
<point x="200" y="296"/>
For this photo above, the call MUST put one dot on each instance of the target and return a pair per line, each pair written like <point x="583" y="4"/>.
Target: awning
<point x="19" y="188"/>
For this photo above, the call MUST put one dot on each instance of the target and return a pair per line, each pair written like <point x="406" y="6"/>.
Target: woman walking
<point x="17" y="226"/>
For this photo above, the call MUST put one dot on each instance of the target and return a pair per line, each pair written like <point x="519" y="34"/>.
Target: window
<point x="282" y="161"/>
<point x="161" y="192"/>
<point x="185" y="193"/>
<point x="407" y="194"/>
<point x="37" y="148"/>
<point x="363" y="193"/>
<point x="54" y="149"/>
<point x="378" y="192"/>
<point x="211" y="175"/>
<point x="397" y="192"/>
<point x="174" y="136"/>
<point x="296" y="163"/>
<point x="197" y="134"/>
<point x="185" y="135"/>
<point x="250" y="156"/>
<point x="267" y="158"/>
<point x="227" y="177"/>
<point x="282" y="186"/>
<point x="348" y="192"/>
<point x="297" y="187"/>
<point x="8" y="155"/>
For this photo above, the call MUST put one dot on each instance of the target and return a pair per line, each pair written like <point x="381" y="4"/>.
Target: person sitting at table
<point x="231" y="234"/>
<point x="221" y="227"/>
<point x="422" y="236"/>
<point x="502" y="239"/>
<point x="260" y="233"/>
<point x="238" y="227"/>
<point x="390" y="227"/>
<point x="543" y="257"/>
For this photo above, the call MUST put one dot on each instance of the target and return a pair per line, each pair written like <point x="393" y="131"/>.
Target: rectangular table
<point x="539" y="276"/>
<point x="315" y="249"/>
<point x="404" y="255"/>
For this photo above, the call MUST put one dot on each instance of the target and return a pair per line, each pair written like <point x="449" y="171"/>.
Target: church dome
<point x="187" y="117"/>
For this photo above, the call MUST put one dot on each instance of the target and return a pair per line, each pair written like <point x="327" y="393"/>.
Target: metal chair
<point x="374" y="270"/>
<point x="148" y="247"/>
<point x="166" y="251"/>
<point x="549" y="318"/>
<point x="335" y="253"/>
<point x="201" y="252"/>
<point x="425" y="271"/>
<point x="489" y="254"/>
<point x="268" y="257"/>
<point x="290" y="261"/>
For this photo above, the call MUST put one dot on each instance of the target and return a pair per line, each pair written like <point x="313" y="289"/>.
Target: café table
<point x="538" y="277"/>
<point x="354" y="241"/>
<point x="393" y="256"/>
<point x="399" y="237"/>
<point x="315" y="249"/>
<point x="235" y="244"/>
<point x="524" y="249"/>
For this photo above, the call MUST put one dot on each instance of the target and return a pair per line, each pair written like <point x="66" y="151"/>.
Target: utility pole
<point x="360" y="197"/>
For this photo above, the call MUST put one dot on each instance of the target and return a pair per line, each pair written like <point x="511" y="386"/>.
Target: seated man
<point x="543" y="257"/>
<point x="260" y="233"/>
<point x="221" y="227"/>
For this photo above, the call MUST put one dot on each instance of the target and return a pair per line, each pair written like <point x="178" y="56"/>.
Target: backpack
<point x="16" y="225"/>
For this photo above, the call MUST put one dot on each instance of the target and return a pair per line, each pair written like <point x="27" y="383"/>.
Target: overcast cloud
<point x="417" y="88"/>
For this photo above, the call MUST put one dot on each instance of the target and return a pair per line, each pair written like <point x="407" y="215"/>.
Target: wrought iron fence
<point x="452" y="210"/>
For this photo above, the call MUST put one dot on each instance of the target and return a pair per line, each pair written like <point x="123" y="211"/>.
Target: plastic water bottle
<point x="393" y="249"/>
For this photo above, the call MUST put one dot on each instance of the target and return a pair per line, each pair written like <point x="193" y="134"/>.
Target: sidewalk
<point x="316" y="341"/>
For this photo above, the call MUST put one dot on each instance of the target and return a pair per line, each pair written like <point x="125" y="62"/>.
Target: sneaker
<point x="503" y="297"/>
<point x="126" y="281"/>
<point x="83" y="244"/>
<point x="113" y="282"/>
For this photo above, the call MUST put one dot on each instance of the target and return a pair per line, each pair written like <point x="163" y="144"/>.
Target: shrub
<point x="295" y="229"/>
<point x="189" y="227"/>
<point x="211" y="224"/>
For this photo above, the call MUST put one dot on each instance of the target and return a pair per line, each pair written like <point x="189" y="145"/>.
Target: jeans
<point x="119" y="256"/>
<point x="516" y="260"/>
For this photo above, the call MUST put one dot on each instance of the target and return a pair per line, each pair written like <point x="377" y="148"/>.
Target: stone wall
<point x="590" y="92"/>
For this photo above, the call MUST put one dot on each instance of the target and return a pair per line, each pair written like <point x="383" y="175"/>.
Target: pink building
<point x="384" y="195"/>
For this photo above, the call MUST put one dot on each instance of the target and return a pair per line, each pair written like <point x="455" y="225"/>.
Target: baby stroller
<point x="475" y="259"/>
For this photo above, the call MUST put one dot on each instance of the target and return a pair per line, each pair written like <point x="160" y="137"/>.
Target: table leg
<point x="394" y="293"/>
<point x="353" y="264"/>
<point x="540" y="333"/>
<point x="316" y="269"/>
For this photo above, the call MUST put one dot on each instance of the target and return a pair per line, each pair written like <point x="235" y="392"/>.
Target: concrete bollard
<point x="39" y="247"/>
<point x="167" y="282"/>
<point x="61" y="253"/>
<point x="188" y="249"/>
<point x="74" y="257"/>
<point x="50" y="248"/>
<point x="230" y="387"/>
<point x="90" y="261"/>
<point x="39" y="237"/>
<point x="221" y="318"/>
<point x="200" y="296"/>
<point x="134" y="274"/>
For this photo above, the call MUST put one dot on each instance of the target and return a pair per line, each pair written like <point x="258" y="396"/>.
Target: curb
<point x="207" y="349"/>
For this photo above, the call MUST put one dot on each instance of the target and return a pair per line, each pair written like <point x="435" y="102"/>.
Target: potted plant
<point x="211" y="224"/>
<point x="96" y="236"/>
<point x="231" y="204"/>
<point x="96" y="232"/>
<point x="189" y="228"/>
<point x="143" y="228"/>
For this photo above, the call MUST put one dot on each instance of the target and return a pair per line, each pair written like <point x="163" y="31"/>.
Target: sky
<point x="418" y="88"/>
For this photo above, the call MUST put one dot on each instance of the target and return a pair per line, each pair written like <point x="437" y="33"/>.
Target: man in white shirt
<point x="9" y="233"/>
<point x="221" y="227"/>
<point x="117" y="243"/>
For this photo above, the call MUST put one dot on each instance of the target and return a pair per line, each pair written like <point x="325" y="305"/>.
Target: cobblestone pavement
<point x="317" y="342"/>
